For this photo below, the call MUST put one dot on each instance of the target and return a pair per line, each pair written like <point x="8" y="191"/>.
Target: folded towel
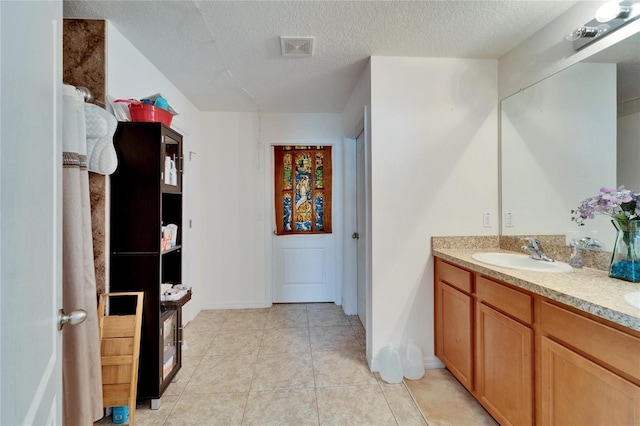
<point x="101" y="126"/>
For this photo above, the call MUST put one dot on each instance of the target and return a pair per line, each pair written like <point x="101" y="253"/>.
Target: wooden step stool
<point x="120" y="353"/>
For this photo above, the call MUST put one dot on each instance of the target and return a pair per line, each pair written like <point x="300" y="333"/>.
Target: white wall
<point x="434" y="165"/>
<point x="300" y="126"/>
<point x="236" y="226"/>
<point x="131" y="75"/>
<point x="547" y="52"/>
<point x="232" y="238"/>
<point x="360" y="97"/>
<point x="629" y="145"/>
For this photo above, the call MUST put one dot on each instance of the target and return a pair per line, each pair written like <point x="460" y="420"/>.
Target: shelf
<point x="141" y="204"/>
<point x="177" y="247"/>
<point x="171" y="189"/>
<point x="175" y="304"/>
<point x="146" y="253"/>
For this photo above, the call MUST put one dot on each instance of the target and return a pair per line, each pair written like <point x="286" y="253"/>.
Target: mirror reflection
<point x="567" y="136"/>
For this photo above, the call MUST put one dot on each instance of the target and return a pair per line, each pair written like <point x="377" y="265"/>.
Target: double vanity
<point x="538" y="342"/>
<point x="536" y="346"/>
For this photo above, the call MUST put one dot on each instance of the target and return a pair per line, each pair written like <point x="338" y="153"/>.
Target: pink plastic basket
<point x="144" y="112"/>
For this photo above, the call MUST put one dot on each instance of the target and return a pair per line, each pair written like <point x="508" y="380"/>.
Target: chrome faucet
<point x="534" y="248"/>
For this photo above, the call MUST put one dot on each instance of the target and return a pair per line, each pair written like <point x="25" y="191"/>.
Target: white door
<point x="304" y="266"/>
<point x="361" y="229"/>
<point x="31" y="212"/>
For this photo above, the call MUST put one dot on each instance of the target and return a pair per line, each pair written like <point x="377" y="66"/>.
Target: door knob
<point x="355" y="236"/>
<point x="74" y="318"/>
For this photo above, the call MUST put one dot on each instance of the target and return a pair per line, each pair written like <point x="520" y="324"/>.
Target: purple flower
<point x="621" y="204"/>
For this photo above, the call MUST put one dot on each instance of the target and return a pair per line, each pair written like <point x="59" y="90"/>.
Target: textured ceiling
<point x="225" y="55"/>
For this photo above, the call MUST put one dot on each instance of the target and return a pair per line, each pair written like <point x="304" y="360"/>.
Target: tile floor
<point x="291" y="364"/>
<point x="445" y="402"/>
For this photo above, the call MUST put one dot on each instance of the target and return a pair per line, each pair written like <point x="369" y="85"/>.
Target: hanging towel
<point x="101" y="126"/>
<point x="81" y="366"/>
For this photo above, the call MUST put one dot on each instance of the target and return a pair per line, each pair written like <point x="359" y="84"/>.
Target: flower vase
<point x="625" y="261"/>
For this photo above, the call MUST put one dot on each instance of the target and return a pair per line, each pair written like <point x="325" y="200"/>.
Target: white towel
<point x="101" y="126"/>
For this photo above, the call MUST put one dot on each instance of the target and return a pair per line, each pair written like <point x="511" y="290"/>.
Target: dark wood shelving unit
<point x="142" y="202"/>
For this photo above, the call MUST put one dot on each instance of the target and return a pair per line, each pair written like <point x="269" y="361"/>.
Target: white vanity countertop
<point x="589" y="290"/>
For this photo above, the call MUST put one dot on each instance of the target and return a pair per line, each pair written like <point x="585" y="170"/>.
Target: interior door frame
<point x="351" y="246"/>
<point x="269" y="213"/>
<point x="361" y="228"/>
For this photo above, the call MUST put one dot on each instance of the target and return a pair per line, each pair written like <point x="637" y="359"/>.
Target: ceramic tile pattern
<point x="445" y="402"/>
<point x="294" y="364"/>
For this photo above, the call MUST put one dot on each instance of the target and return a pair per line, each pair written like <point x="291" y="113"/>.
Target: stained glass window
<point x="303" y="189"/>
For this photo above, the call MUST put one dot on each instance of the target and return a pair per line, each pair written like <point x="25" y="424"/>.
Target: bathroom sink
<point x="522" y="262"/>
<point x="633" y="299"/>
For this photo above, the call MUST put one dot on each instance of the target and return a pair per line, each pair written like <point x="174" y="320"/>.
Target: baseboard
<point x="374" y="365"/>
<point x="242" y="305"/>
<point x="235" y="305"/>
<point x="432" y="363"/>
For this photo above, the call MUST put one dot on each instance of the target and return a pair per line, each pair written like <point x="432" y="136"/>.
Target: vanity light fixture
<point x="613" y="10"/>
<point x="587" y="32"/>
<point x="609" y="17"/>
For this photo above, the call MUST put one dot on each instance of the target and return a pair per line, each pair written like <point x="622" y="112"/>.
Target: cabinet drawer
<point x="517" y="304"/>
<point x="612" y="347"/>
<point x="454" y="276"/>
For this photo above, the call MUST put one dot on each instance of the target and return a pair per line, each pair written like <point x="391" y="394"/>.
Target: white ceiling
<point x="225" y="55"/>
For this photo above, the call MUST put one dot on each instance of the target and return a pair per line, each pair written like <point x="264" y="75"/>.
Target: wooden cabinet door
<point x="504" y="366"/>
<point x="454" y="332"/>
<point x="576" y="391"/>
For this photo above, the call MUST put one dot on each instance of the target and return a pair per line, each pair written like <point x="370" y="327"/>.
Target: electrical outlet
<point x="508" y="219"/>
<point x="486" y="219"/>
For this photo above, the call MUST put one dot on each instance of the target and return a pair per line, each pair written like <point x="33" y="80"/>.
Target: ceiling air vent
<point x="296" y="46"/>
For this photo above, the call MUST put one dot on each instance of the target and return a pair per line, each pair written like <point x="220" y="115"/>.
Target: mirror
<point x="567" y="136"/>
